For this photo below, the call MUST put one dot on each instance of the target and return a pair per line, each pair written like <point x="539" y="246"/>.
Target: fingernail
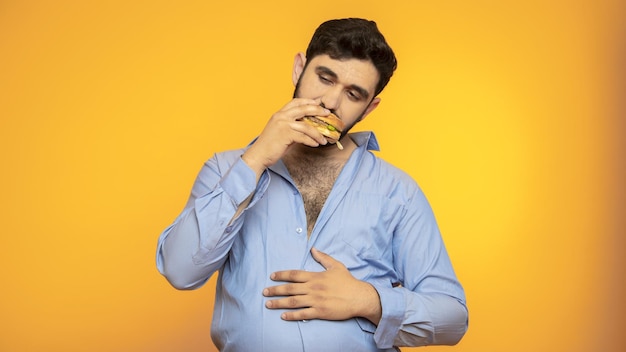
<point x="266" y="292"/>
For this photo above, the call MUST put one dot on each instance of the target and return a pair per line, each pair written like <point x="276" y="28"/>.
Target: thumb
<point x="327" y="261"/>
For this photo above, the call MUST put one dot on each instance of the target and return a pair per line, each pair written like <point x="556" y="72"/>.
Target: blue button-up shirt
<point x="376" y="221"/>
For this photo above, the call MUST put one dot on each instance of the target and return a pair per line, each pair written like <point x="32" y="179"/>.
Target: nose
<point x="331" y="99"/>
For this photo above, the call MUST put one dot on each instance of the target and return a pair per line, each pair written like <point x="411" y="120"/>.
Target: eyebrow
<point x="327" y="71"/>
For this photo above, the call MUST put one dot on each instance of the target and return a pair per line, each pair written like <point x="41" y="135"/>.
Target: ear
<point x="298" y="66"/>
<point x="373" y="104"/>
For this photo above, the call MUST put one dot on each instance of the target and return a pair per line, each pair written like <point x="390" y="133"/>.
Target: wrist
<point x="253" y="163"/>
<point x="372" y="308"/>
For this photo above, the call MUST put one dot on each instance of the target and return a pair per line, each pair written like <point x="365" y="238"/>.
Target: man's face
<point x="345" y="87"/>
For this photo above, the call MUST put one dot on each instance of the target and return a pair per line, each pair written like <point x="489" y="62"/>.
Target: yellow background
<point x="508" y="114"/>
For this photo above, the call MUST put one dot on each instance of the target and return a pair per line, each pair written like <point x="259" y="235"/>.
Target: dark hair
<point x="354" y="38"/>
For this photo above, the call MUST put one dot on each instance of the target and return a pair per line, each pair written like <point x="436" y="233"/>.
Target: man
<point x="318" y="248"/>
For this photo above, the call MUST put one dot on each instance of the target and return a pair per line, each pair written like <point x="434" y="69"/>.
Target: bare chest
<point x="314" y="184"/>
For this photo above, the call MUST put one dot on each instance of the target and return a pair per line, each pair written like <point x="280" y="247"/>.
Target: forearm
<point x="199" y="240"/>
<point x="419" y="319"/>
<point x="444" y="322"/>
<point x="188" y="256"/>
<point x="177" y="252"/>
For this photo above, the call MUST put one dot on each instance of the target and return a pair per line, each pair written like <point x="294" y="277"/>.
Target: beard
<point x="346" y="129"/>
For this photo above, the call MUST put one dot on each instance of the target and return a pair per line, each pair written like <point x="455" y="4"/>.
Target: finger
<point x="308" y="135"/>
<point x="302" y="314"/>
<point x="300" y="111"/>
<point x="291" y="302"/>
<point x="291" y="276"/>
<point x="326" y="260"/>
<point x="285" y="290"/>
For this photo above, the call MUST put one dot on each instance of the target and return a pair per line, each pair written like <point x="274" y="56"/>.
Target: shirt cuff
<point x="393" y="303"/>
<point x="240" y="181"/>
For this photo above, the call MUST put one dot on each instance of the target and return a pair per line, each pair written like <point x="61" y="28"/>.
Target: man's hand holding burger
<point x="330" y="126"/>
<point x="283" y="129"/>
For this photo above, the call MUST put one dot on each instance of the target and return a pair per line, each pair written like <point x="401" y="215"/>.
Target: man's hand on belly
<point x="333" y="294"/>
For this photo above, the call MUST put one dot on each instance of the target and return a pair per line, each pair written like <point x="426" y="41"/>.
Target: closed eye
<point x="357" y="93"/>
<point x="329" y="77"/>
<point x="354" y="96"/>
<point x="325" y="79"/>
<point x="326" y="75"/>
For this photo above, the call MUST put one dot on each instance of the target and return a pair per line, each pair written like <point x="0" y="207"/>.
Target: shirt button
<point x="299" y="230"/>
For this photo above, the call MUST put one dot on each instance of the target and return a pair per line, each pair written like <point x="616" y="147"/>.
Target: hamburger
<point x="330" y="126"/>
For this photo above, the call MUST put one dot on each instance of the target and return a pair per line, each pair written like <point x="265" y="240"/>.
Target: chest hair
<point x="314" y="180"/>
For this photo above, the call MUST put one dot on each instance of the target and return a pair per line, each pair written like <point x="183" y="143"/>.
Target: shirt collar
<point x="367" y="139"/>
